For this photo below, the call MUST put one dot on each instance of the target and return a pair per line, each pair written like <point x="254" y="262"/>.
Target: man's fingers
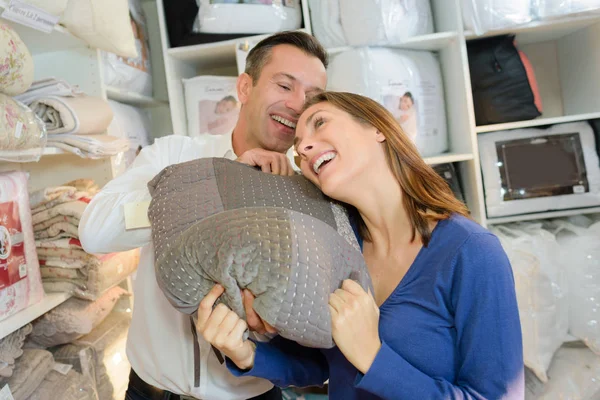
<point x="276" y="165"/>
<point x="206" y="305"/>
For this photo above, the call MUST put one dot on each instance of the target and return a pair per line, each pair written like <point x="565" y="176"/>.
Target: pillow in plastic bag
<point x="541" y="289"/>
<point x="481" y="16"/>
<point x="407" y="83"/>
<point x="547" y="9"/>
<point x="326" y="24"/>
<point x="16" y="67"/>
<point x="580" y="248"/>
<point x="247" y="16"/>
<point x="23" y="135"/>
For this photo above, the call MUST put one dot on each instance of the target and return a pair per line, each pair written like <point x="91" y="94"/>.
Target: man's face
<point x="274" y="103"/>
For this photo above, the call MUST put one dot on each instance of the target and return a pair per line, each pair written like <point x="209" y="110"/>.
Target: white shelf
<point x="23" y="317"/>
<point x="536" y="122"/>
<point x="448" y="158"/>
<point x="211" y="55"/>
<point x="431" y="42"/>
<point x="542" y="31"/>
<point x="131" y="98"/>
<point x="543" y="215"/>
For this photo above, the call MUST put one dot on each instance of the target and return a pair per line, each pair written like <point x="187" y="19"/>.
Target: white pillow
<point x="481" y="16"/>
<point x="392" y="77"/>
<point x="104" y="24"/>
<point x="545" y="9"/>
<point x="541" y="289"/>
<point x="326" y="24"/>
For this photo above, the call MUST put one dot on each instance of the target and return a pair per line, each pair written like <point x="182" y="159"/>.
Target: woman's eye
<point x="319" y="122"/>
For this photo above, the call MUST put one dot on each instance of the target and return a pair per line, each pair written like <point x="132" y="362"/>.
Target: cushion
<point x="407" y="83"/>
<point x="74" y="318"/>
<point x="217" y="220"/>
<point x="133" y="124"/>
<point x="16" y="65"/>
<point x="104" y="24"/>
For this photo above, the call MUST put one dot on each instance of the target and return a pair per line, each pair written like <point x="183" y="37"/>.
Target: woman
<point x="442" y="322"/>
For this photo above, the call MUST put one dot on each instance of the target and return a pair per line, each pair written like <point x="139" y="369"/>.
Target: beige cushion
<point x="16" y="63"/>
<point x="104" y="24"/>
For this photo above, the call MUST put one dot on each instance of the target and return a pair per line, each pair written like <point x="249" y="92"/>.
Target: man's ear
<point x="379" y="137"/>
<point x="244" y="87"/>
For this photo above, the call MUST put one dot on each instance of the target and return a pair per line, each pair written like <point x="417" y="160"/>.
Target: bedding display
<point x="16" y="65"/>
<point x="212" y="105"/>
<point x="132" y="124"/>
<point x="64" y="266"/>
<point x="407" y="83"/>
<point x="547" y="9"/>
<point x="131" y="73"/>
<point x="247" y="16"/>
<point x="217" y="220"/>
<point x="20" y="281"/>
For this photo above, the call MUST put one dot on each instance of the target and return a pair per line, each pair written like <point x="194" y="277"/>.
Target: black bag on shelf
<point x="501" y="87"/>
<point x="450" y="175"/>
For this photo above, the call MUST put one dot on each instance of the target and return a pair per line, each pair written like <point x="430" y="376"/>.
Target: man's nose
<point x="296" y="101"/>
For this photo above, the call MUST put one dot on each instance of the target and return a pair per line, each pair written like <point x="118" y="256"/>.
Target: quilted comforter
<point x="217" y="220"/>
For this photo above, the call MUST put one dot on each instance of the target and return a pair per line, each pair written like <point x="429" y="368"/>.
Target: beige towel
<point x="64" y="229"/>
<point x="81" y="114"/>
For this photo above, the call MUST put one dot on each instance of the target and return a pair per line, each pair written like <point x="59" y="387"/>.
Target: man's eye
<point x="284" y="87"/>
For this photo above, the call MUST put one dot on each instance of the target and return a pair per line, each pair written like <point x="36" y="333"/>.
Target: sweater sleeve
<point x="489" y="347"/>
<point x="286" y="363"/>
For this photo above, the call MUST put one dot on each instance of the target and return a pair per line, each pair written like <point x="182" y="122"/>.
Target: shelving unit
<point x="22" y="318"/>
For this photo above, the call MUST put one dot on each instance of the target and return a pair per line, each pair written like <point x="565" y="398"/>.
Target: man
<point x="281" y="72"/>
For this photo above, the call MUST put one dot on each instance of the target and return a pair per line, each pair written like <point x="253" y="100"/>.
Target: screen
<point x="542" y="166"/>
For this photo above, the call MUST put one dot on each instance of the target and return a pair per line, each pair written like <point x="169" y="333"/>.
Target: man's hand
<point x="223" y="329"/>
<point x="269" y="161"/>
<point x="255" y="322"/>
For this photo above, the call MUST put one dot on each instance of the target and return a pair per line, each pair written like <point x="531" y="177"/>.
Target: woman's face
<point x="336" y="150"/>
<point x="405" y="103"/>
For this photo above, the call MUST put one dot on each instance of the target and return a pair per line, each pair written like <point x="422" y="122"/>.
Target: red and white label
<point x="13" y="265"/>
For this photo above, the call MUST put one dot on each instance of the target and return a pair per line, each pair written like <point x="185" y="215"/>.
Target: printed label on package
<point x="399" y="98"/>
<point x="31" y="16"/>
<point x="13" y="265"/>
<point x="284" y="3"/>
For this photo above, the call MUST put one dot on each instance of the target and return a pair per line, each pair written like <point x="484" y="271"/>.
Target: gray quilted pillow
<point x="217" y="220"/>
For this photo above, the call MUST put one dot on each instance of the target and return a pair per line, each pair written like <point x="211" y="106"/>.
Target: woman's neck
<point x="382" y="211"/>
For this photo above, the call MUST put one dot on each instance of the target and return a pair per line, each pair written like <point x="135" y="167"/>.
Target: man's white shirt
<point x="160" y="342"/>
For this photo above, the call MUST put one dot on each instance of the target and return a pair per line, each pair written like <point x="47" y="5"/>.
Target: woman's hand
<point x="355" y="324"/>
<point x="223" y="329"/>
<point x="255" y="322"/>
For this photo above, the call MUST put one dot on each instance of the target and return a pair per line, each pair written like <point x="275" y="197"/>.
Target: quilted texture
<point x="217" y="220"/>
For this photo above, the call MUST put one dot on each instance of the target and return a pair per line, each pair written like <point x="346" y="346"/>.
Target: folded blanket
<point x="61" y="386"/>
<point x="74" y="319"/>
<point x="217" y="220"/>
<point x="48" y="87"/>
<point x="64" y="263"/>
<point x="63" y="273"/>
<point x="80" y="114"/>
<point x="90" y="146"/>
<point x="44" y="196"/>
<point x="29" y="373"/>
<point x="65" y="229"/>
<point x="11" y="348"/>
<point x="102" y="273"/>
<point x="48" y="223"/>
<point x="59" y="244"/>
<point x="70" y="209"/>
<point x="48" y="253"/>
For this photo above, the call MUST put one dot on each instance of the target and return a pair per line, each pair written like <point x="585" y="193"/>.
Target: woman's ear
<point x="380" y="137"/>
<point x="244" y="87"/>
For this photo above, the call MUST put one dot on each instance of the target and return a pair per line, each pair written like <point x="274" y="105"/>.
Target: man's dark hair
<point x="260" y="54"/>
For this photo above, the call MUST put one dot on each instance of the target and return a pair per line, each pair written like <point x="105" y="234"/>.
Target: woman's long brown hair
<point x="426" y="195"/>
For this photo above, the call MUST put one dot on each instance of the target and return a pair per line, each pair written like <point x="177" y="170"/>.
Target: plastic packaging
<point x="16" y="67"/>
<point x="566" y="173"/>
<point x="541" y="289"/>
<point x="573" y="375"/>
<point x="581" y="257"/>
<point x="381" y="22"/>
<point x="407" y="83"/>
<point x="242" y="48"/>
<point x="481" y="16"/>
<point x="20" y="282"/>
<point x="212" y="105"/>
<point x="132" y="74"/>
<point x="326" y="23"/>
<point x="133" y="124"/>
<point x="82" y="358"/>
<point x="23" y="135"/>
<point x="247" y="16"/>
<point x="547" y="9"/>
